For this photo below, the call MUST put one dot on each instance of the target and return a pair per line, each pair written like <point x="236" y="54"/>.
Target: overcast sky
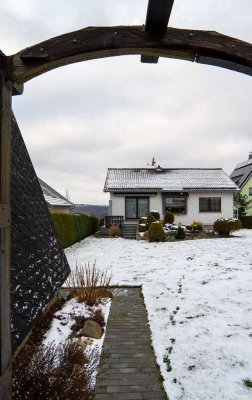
<point x="81" y="119"/>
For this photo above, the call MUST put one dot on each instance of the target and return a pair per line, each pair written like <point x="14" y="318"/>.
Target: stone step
<point x="129" y="231"/>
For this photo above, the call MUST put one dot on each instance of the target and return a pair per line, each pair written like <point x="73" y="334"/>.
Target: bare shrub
<point x="88" y="284"/>
<point x="44" y="321"/>
<point x="55" y="372"/>
<point x="78" y="325"/>
<point x="114" y="231"/>
<point x="99" y="318"/>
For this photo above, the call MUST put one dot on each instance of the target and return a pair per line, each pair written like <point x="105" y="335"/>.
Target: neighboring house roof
<point x="242" y="172"/>
<point x="167" y="180"/>
<point x="52" y="197"/>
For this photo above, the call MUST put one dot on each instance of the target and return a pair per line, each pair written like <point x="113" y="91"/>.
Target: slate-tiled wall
<point x="38" y="263"/>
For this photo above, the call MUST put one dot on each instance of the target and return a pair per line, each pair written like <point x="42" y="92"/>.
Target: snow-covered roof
<point x="52" y="197"/>
<point x="167" y="180"/>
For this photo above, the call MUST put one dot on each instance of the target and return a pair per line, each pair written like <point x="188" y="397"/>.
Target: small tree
<point x="242" y="203"/>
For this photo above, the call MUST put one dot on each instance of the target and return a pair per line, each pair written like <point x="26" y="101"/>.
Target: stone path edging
<point x="131" y="371"/>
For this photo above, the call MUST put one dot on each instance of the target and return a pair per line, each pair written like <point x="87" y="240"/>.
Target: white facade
<point x="192" y="212"/>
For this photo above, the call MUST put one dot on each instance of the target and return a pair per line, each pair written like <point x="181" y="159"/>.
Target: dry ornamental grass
<point x="88" y="284"/>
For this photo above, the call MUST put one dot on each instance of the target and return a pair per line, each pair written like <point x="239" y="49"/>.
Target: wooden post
<point x="5" y="236"/>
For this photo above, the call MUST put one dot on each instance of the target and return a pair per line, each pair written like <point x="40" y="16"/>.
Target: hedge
<point x="247" y="221"/>
<point x="72" y="228"/>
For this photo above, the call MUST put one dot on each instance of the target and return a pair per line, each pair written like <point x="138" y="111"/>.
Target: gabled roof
<point x="167" y="180"/>
<point x="242" y="172"/>
<point x="52" y="197"/>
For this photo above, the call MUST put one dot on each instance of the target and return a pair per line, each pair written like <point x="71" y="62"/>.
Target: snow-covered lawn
<point x="197" y="292"/>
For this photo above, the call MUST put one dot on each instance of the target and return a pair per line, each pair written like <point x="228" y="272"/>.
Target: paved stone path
<point x="130" y="371"/>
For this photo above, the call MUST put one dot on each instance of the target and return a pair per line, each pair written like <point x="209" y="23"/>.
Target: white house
<point x="203" y="194"/>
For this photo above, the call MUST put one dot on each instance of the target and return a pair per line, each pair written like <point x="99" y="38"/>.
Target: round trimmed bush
<point x="156" y="232"/>
<point x="196" y="226"/>
<point x="142" y="227"/>
<point x="168" y="218"/>
<point x="143" y="220"/>
<point x="224" y="226"/>
<point x="155" y="214"/>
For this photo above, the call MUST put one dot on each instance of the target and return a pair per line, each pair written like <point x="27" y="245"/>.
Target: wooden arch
<point x="151" y="40"/>
<point x="205" y="47"/>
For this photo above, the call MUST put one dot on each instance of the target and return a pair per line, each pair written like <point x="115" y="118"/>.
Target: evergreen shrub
<point x="95" y="223"/>
<point x="224" y="226"/>
<point x="142" y="227"/>
<point x="156" y="232"/>
<point x="180" y="234"/>
<point x="150" y="219"/>
<point x="168" y="218"/>
<point x="155" y="214"/>
<point x="73" y="227"/>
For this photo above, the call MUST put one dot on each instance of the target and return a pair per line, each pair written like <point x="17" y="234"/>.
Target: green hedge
<point x="73" y="227"/>
<point x="247" y="221"/>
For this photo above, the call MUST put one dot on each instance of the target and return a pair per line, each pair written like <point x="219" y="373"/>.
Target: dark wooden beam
<point x="157" y="18"/>
<point x="92" y="43"/>
<point x="158" y="15"/>
<point x="17" y="89"/>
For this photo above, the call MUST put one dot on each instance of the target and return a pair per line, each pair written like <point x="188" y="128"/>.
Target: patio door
<point x="136" y="207"/>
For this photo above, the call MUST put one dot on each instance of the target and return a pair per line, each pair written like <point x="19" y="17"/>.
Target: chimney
<point x="159" y="169"/>
<point x="250" y="155"/>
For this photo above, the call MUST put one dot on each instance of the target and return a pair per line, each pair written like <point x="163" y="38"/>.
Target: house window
<point x="136" y="207"/>
<point x="176" y="205"/>
<point x="250" y="191"/>
<point x="212" y="204"/>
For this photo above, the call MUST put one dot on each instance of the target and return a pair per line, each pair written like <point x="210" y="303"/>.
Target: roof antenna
<point x="153" y="162"/>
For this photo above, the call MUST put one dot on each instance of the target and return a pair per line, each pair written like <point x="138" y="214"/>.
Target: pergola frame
<point x="151" y="41"/>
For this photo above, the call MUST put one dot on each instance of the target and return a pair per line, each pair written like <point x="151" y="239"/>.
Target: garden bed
<point x="170" y="237"/>
<point x="61" y="358"/>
